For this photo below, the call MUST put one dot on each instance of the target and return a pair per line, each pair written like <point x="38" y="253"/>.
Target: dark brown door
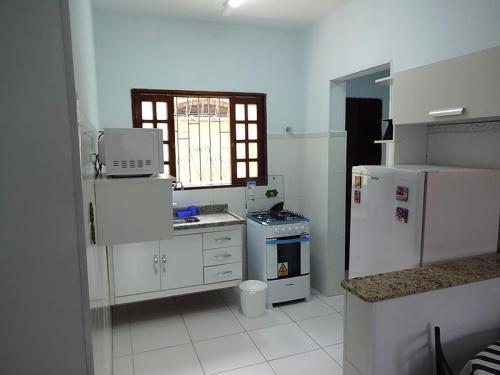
<point x="363" y="125"/>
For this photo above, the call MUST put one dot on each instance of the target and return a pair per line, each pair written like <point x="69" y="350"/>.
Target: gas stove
<point x="277" y="217"/>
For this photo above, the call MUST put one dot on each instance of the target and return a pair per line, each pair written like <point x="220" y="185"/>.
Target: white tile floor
<point x="207" y="334"/>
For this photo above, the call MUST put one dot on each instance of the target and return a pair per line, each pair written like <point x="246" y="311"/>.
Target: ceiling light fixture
<point x="234" y="3"/>
<point x="229" y="5"/>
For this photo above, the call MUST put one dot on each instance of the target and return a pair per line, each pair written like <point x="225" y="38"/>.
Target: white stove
<point x="279" y="254"/>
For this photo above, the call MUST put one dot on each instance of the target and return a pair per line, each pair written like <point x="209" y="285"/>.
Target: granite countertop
<point x="448" y="274"/>
<point x="212" y="216"/>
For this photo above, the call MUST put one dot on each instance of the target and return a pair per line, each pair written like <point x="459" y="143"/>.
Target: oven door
<point x="287" y="257"/>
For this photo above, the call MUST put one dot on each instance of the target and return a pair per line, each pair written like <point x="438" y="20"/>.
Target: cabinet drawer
<point x="225" y="255"/>
<point x="216" y="274"/>
<point x="228" y="238"/>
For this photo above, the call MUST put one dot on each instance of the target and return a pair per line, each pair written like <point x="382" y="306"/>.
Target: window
<point x="210" y="139"/>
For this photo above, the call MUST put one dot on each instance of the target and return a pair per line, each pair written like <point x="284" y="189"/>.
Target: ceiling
<point x="273" y="13"/>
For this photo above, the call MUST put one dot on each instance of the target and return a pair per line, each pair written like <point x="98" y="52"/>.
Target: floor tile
<point x="260" y="369"/>
<point x="281" y="341"/>
<point x="337" y="353"/>
<point x="179" y="360"/>
<point x="122" y="344"/>
<point x="272" y="317"/>
<point x="226" y="353"/>
<point x="335" y="302"/>
<point x="316" y="362"/>
<point x="325" y="330"/>
<point x="211" y="323"/>
<point x="305" y="310"/>
<point x="123" y="366"/>
<point x="155" y="326"/>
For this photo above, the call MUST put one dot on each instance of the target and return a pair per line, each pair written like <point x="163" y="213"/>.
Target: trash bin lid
<point x="252" y="286"/>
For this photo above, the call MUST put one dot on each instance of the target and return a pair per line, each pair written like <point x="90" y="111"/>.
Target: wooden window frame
<point x="139" y="95"/>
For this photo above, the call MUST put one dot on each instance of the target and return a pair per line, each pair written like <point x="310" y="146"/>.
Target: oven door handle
<point x="275" y="241"/>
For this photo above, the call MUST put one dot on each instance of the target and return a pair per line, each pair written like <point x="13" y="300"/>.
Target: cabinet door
<point x="471" y="81"/>
<point x="136" y="268"/>
<point x="181" y="261"/>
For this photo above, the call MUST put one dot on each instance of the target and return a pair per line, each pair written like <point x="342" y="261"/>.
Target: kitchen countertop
<point x="448" y="274"/>
<point x="212" y="216"/>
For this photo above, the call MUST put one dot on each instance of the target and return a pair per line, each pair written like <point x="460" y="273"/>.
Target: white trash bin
<point x="253" y="297"/>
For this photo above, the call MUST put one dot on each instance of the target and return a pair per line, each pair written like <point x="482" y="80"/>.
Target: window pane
<point x="147" y="110"/>
<point x="205" y="135"/>
<point x="241" y="169"/>
<point x="164" y="130"/>
<point x="224" y="124"/>
<point x="240" y="132"/>
<point x="161" y="110"/>
<point x="147" y="125"/>
<point x="226" y="158"/>
<point x="241" y="152"/>
<point x="166" y="169"/>
<point x="252" y="151"/>
<point x="252" y="131"/>
<point x="252" y="112"/>
<point x="253" y="169"/>
<point x="240" y="112"/>
<point x="194" y="150"/>
<point x="165" y="152"/>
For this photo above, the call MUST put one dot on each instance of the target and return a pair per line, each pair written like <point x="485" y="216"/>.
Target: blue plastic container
<point x="190" y="211"/>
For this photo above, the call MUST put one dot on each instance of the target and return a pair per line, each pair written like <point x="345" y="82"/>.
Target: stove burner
<point x="276" y="217"/>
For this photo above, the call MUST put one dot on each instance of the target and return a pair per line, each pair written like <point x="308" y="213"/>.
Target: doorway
<point x="367" y="105"/>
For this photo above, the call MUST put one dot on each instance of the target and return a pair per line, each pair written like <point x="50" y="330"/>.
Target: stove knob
<point x="276" y="230"/>
<point x="303" y="227"/>
<point x="296" y="228"/>
<point x="283" y="229"/>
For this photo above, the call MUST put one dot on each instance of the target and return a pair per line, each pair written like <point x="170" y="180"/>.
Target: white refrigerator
<point x="406" y="216"/>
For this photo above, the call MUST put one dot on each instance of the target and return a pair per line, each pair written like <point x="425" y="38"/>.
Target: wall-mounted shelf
<point x="387" y="81"/>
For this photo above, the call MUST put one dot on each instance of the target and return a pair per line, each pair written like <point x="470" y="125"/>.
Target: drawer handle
<point x="292" y="284"/>
<point x="222" y="256"/>
<point x="447" y="112"/>
<point x="224" y="239"/>
<point x="225" y="273"/>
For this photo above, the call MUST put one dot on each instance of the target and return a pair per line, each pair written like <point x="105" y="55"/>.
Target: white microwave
<point x="131" y="152"/>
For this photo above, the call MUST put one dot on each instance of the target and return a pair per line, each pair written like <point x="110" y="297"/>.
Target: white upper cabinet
<point x="456" y="90"/>
<point x="181" y="261"/>
<point x="133" y="210"/>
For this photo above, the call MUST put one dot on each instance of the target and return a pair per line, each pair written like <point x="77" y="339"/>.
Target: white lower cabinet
<point x="136" y="268"/>
<point x="181" y="261"/>
<point x="188" y="263"/>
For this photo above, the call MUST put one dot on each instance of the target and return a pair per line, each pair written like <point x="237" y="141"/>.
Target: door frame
<point x="337" y="202"/>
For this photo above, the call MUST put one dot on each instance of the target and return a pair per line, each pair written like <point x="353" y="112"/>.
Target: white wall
<point x="365" y="33"/>
<point x="42" y="259"/>
<point x="82" y="38"/>
<point x="162" y="53"/>
<point x="85" y="75"/>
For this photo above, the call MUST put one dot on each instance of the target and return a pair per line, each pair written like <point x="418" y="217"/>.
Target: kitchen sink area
<point x="186" y="220"/>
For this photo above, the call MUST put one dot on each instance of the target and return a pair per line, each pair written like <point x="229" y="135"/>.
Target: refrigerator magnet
<point x="402" y="193"/>
<point x="402" y="214"/>
<point x="357" y="182"/>
<point x="357" y="196"/>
